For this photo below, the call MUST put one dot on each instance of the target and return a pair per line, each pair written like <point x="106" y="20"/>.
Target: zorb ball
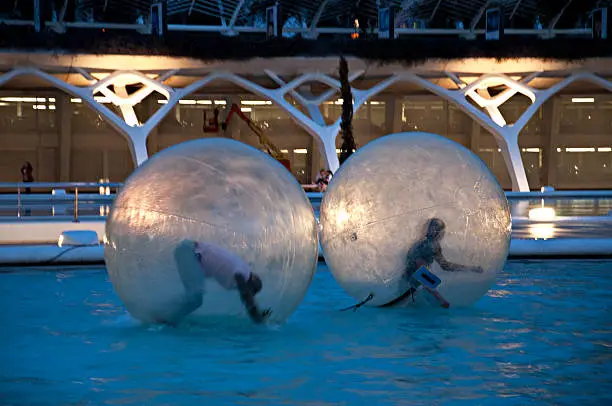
<point x="409" y="201"/>
<point x="214" y="191"/>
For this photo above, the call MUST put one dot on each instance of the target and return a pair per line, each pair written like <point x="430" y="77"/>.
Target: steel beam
<point x="317" y="16"/>
<point x="236" y="14"/>
<point x="516" y="6"/>
<point x="435" y="10"/>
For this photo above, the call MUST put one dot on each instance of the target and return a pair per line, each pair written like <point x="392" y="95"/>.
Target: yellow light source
<point x="542" y="214"/>
<point x="583" y="100"/>
<point x="255" y="102"/>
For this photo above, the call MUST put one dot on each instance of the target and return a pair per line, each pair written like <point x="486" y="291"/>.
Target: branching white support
<point x="493" y="110"/>
<point x="85" y="74"/>
<point x="136" y="133"/>
<point x="325" y="96"/>
<point x="326" y="135"/>
<point x="460" y="84"/>
<point x="127" y="110"/>
<point x="294" y="93"/>
<point x="129" y="77"/>
<point x="478" y="91"/>
<point x="167" y="75"/>
<point x="326" y="141"/>
<point x="529" y="78"/>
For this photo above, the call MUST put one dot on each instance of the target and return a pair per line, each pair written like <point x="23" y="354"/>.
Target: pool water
<point x="543" y="335"/>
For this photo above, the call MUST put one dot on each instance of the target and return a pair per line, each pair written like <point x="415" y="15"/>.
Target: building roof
<point x="433" y="13"/>
<point x="337" y="14"/>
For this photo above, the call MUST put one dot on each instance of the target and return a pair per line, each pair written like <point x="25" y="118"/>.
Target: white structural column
<point x="136" y="131"/>
<point x="505" y="134"/>
<point x="326" y="141"/>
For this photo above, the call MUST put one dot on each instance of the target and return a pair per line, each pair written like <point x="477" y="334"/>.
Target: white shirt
<point x="221" y="264"/>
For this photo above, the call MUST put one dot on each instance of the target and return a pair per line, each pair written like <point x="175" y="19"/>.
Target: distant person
<point x="320" y="176"/>
<point x="322" y="180"/>
<point x="197" y="262"/>
<point x="328" y="176"/>
<point x="26" y="175"/>
<point x="425" y="252"/>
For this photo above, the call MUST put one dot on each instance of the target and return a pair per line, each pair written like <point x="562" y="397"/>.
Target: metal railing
<point x="60" y="193"/>
<point x="221" y="29"/>
<point x="101" y="196"/>
<point x="561" y="194"/>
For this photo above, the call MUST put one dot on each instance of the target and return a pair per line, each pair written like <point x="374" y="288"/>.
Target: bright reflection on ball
<point x="216" y="191"/>
<point x="410" y="200"/>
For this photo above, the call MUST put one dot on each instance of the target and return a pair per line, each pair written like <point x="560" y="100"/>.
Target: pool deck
<point x="33" y="239"/>
<point x="36" y="243"/>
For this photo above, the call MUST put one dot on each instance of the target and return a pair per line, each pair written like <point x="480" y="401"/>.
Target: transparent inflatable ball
<point x="211" y="228"/>
<point x="415" y="218"/>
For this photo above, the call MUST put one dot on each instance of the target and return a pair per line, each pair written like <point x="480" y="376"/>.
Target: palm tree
<point x="346" y="124"/>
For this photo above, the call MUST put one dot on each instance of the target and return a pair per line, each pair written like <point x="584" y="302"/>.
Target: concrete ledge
<point x="24" y="255"/>
<point x="29" y="243"/>
<point x="20" y="233"/>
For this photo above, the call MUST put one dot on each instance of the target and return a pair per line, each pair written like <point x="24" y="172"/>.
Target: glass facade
<point x="98" y="151"/>
<point x="28" y="132"/>
<point x="567" y="144"/>
<point x="583" y="146"/>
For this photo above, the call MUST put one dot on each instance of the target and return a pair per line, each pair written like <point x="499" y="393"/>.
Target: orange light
<point x="355" y="35"/>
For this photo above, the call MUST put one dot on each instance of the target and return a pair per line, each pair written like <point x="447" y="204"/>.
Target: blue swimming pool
<point x="543" y="335"/>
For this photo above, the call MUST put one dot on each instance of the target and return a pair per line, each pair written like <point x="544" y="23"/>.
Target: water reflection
<point x="562" y="206"/>
<point x="542" y="231"/>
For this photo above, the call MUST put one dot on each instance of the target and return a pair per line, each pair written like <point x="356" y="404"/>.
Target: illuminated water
<point x="542" y="336"/>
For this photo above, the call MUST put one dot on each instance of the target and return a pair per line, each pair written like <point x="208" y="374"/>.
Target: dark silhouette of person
<point x="197" y="261"/>
<point x="425" y="252"/>
<point x="26" y="174"/>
